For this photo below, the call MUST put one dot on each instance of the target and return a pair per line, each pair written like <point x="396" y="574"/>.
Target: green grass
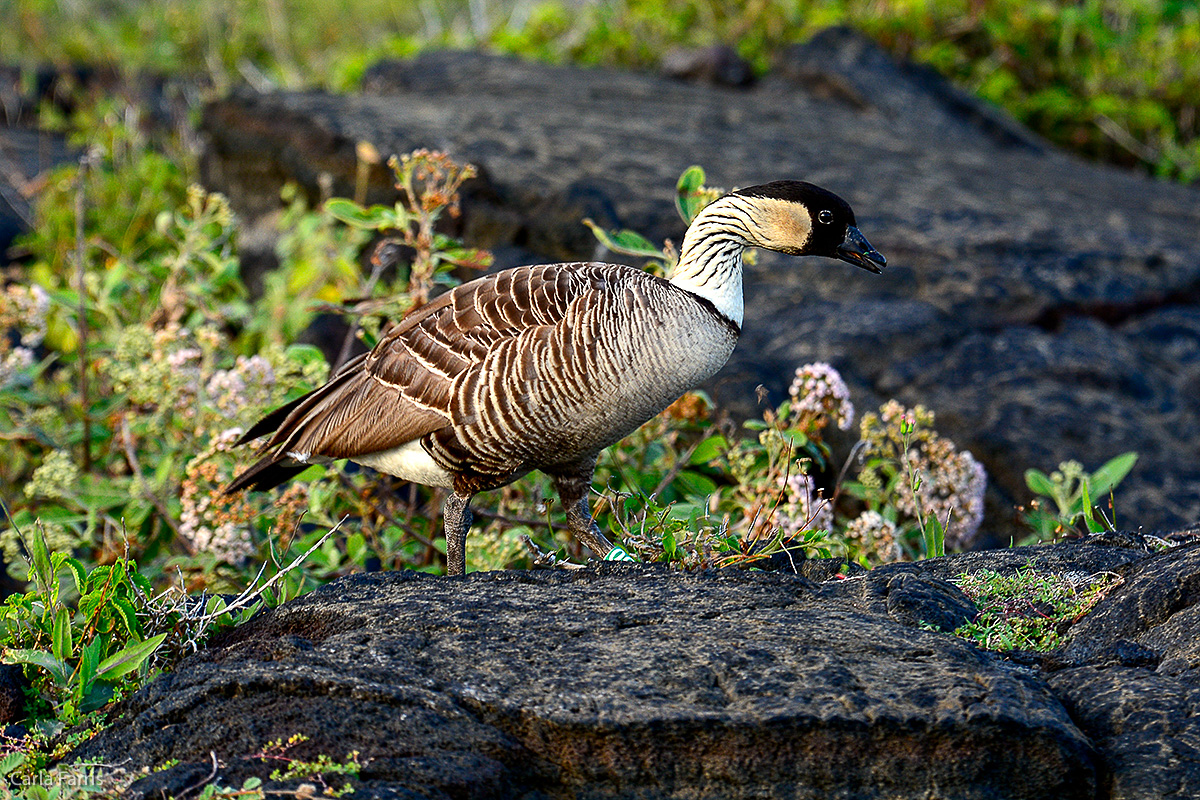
<point x="1030" y="609"/>
<point x="1115" y="80"/>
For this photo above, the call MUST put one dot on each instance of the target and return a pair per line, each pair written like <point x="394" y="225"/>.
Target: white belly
<point x="410" y="462"/>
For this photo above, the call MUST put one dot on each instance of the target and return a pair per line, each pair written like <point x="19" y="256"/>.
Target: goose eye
<point x="825" y="216"/>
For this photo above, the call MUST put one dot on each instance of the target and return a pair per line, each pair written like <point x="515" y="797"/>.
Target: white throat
<point x="710" y="264"/>
<point x="720" y="284"/>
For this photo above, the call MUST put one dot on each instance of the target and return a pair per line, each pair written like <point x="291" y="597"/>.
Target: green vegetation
<point x="292" y="777"/>
<point x="1116" y="80"/>
<point x="1030" y="609"/>
<point x="1076" y="495"/>
<point x="81" y="648"/>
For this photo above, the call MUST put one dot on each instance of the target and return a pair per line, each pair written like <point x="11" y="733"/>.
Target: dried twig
<point x="251" y="594"/>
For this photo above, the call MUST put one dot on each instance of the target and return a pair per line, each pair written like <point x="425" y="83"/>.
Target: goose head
<point x="801" y="219"/>
<point x="791" y="217"/>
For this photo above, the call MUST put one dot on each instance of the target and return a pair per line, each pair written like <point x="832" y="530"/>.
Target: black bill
<point x="858" y="251"/>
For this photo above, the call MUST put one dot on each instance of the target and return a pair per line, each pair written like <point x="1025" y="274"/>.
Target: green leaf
<point x="1039" y="483"/>
<point x="935" y="538"/>
<point x="708" y="450"/>
<point x="1113" y="472"/>
<point x="11" y="762"/>
<point x="141" y="582"/>
<point x="668" y="544"/>
<point x="356" y="548"/>
<point x="215" y="604"/>
<point x="129" y="658"/>
<point x="39" y="658"/>
<point x="693" y="484"/>
<point x="626" y="241"/>
<point x="95" y="697"/>
<point x="305" y="354"/>
<point x="78" y="573"/>
<point x="1089" y="518"/>
<point x="127" y="613"/>
<point x="61" y="637"/>
<point x="354" y="215"/>
<point x="39" y="557"/>
<point x="687" y="201"/>
<point x="89" y="662"/>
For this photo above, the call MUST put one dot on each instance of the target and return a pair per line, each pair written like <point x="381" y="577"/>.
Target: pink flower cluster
<point x="818" y="395"/>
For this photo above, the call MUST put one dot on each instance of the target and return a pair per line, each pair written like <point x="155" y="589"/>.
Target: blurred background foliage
<point x="1115" y="80"/>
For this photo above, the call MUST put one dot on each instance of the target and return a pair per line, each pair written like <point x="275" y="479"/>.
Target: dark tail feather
<point x="276" y="467"/>
<point x="266" y="473"/>
<point x="270" y="422"/>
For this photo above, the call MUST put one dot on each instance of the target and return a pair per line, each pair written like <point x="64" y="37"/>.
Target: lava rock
<point x="617" y="681"/>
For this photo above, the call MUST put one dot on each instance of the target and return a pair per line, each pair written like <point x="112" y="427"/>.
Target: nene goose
<point x="543" y="367"/>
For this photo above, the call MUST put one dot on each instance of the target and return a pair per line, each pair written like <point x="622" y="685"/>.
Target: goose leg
<point x="456" y="519"/>
<point x="573" y="491"/>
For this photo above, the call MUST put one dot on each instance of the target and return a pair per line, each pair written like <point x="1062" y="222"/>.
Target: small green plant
<point x="1076" y="495"/>
<point x="1030" y="609"/>
<point x="319" y="769"/>
<point x="933" y="532"/>
<point x="691" y="196"/>
<point x="78" y="640"/>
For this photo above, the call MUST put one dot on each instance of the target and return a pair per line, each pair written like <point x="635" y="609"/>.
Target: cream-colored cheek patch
<point x="785" y="225"/>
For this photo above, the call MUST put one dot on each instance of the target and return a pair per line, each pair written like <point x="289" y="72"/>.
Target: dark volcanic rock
<point x="1159" y="609"/>
<point x="618" y="682"/>
<point x="633" y="681"/>
<point x="1137" y="697"/>
<point x="1045" y="308"/>
<point x="647" y="683"/>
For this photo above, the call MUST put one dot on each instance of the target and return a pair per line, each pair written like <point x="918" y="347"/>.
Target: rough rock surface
<point x="1044" y="307"/>
<point x="632" y="681"/>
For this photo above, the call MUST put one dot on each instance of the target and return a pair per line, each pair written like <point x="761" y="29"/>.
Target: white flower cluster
<point x="228" y="541"/>
<point x="875" y="536"/>
<point x="23" y="310"/>
<point x="952" y="488"/>
<point x="13" y="363"/>
<point x="57" y="477"/>
<point x="32" y="306"/>
<point x="819" y="394"/>
<point x="248" y="383"/>
<point x="952" y="483"/>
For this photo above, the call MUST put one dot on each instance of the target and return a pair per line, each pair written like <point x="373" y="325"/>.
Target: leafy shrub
<point x="80" y="649"/>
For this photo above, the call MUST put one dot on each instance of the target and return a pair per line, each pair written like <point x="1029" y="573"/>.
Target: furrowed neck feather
<point x="710" y="264"/>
